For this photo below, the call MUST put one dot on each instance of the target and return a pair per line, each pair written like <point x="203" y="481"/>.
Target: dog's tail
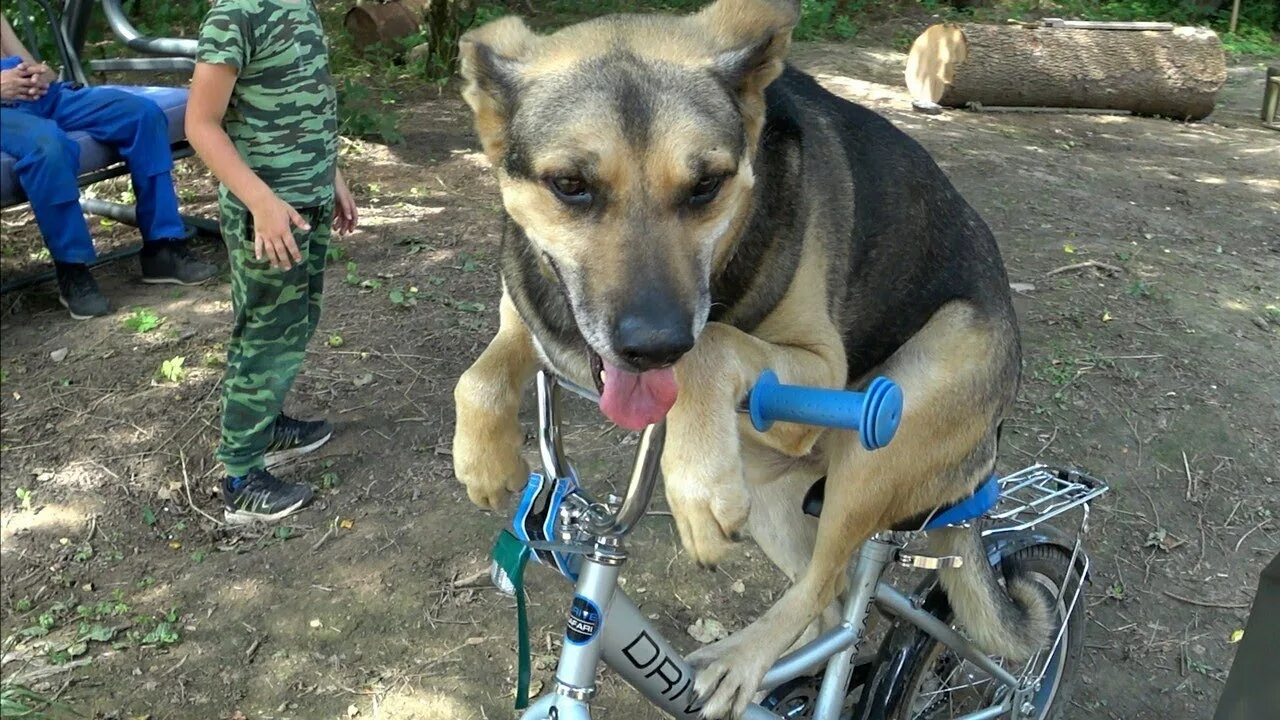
<point x="1011" y="623"/>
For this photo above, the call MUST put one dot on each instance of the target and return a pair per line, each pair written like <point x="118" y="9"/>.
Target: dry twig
<point x="1095" y="264"/>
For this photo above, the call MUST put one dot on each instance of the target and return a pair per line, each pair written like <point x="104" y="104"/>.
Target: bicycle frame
<point x="605" y="625"/>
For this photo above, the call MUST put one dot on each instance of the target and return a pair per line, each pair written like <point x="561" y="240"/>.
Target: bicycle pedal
<point x="929" y="562"/>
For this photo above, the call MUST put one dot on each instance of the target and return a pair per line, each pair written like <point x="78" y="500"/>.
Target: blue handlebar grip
<point x="875" y="413"/>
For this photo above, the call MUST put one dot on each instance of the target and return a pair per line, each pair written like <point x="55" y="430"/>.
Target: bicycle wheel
<point x="941" y="684"/>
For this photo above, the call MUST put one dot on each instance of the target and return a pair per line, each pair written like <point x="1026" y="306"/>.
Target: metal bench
<point x="99" y="162"/>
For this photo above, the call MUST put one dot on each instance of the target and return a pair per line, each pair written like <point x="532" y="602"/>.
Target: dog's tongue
<point x="634" y="400"/>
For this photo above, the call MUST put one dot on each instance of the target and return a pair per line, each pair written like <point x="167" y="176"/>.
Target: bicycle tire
<point x="1037" y="561"/>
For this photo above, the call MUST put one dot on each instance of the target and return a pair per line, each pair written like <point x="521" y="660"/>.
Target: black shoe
<point x="78" y="291"/>
<point x="262" y="497"/>
<point x="173" y="263"/>
<point x="291" y="439"/>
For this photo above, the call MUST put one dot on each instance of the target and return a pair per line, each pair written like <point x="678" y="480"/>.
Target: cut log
<point x="385" y="23"/>
<point x="1175" y="73"/>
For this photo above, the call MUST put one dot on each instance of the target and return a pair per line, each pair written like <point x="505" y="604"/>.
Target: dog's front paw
<point x="486" y="452"/>
<point x="710" y="512"/>
<point x="729" y="674"/>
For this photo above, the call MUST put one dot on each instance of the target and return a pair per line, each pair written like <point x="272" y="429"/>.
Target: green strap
<point x="510" y="557"/>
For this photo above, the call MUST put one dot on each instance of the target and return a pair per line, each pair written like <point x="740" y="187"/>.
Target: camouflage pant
<point x="276" y="312"/>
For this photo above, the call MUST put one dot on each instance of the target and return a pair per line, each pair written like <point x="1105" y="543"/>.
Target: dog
<point x="685" y="210"/>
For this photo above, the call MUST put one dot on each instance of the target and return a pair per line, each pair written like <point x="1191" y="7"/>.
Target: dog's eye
<point x="706" y="190"/>
<point x="570" y="190"/>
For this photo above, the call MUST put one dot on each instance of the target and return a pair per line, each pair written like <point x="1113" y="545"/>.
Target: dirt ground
<point x="1157" y="368"/>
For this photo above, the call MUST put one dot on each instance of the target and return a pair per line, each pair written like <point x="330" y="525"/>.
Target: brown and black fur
<point x="835" y="249"/>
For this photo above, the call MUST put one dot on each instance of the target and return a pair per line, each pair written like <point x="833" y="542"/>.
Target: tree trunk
<point x="1174" y="73"/>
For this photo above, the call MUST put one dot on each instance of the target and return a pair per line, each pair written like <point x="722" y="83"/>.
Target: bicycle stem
<point x="603" y="523"/>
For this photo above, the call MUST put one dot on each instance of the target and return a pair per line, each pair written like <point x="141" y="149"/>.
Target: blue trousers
<point x="35" y="134"/>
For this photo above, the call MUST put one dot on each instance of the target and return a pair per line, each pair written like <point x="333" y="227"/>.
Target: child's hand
<point x="19" y="83"/>
<point x="345" y="216"/>
<point x="273" y="225"/>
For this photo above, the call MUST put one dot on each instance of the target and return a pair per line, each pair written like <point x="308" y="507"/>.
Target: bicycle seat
<point x="971" y="507"/>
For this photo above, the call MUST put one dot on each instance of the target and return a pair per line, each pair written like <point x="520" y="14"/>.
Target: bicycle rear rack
<point x="1040" y="493"/>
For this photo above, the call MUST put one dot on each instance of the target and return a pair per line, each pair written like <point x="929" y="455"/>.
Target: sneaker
<point x="172" y="262"/>
<point x="291" y="439"/>
<point x="78" y="292"/>
<point x="262" y="497"/>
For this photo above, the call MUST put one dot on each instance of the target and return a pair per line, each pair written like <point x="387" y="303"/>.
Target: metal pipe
<point x="129" y="35"/>
<point x="874" y="555"/>
<point x="897" y="604"/>
<point x="809" y="658"/>
<point x="644" y="477"/>
<point x="550" y="444"/>
<point x="989" y="714"/>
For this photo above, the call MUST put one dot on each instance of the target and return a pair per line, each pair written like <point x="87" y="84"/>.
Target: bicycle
<point x="923" y="665"/>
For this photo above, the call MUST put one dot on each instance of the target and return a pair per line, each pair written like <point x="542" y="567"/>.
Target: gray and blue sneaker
<point x="262" y="497"/>
<point x="291" y="439"/>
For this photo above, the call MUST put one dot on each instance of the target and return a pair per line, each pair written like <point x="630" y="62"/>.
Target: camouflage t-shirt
<point x="282" y="115"/>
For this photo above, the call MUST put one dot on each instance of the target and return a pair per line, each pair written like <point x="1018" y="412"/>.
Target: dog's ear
<point x="492" y="60"/>
<point x="751" y="39"/>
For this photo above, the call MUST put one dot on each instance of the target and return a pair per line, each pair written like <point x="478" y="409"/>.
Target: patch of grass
<point x="368" y="113"/>
<point x="1138" y="289"/>
<point x="20" y="702"/>
<point x="828" y="19"/>
<point x="143" y="320"/>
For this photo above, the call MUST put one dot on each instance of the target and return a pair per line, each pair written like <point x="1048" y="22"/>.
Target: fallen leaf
<point x="1237" y="636"/>
<point x="362" y="380"/>
<point x="58" y="355"/>
<point x="739" y="587"/>
<point x="1106" y="316"/>
<point x="475" y="640"/>
<point x="1069" y="249"/>
<point x="346" y="523"/>
<point x="175" y="545"/>
<point x="1022" y="287"/>
<point x="708" y="630"/>
<point x="315" y="623"/>
<point x="352" y="711"/>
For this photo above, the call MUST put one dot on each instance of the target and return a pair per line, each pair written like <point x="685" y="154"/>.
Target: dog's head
<point x="624" y="152"/>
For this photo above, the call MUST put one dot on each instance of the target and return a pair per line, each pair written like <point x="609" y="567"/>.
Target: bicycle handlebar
<point x="875" y="413"/>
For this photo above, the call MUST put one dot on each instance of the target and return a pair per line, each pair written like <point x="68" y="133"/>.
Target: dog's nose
<point x="651" y="340"/>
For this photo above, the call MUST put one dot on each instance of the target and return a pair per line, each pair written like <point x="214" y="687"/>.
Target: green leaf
<point x="148" y="516"/>
<point x="469" y="306"/>
<point x="284" y="532"/>
<point x="470" y="265"/>
<point x="172" y="369"/>
<point x="34" y="631"/>
<point x="99" y="633"/>
<point x="143" y="320"/>
<point x="162" y="634"/>
<point x="397" y="296"/>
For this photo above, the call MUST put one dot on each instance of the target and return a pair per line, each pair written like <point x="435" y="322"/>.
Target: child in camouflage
<point x="262" y="114"/>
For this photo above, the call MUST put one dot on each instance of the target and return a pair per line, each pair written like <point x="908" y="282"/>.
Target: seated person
<point x="36" y="113"/>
